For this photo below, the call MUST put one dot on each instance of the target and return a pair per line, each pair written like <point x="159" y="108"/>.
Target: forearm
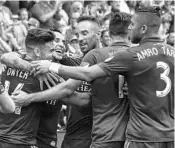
<point x="6" y="103"/>
<point x="13" y="59"/>
<point x="79" y="99"/>
<point x="5" y="45"/>
<point x="79" y="73"/>
<point x="60" y="91"/>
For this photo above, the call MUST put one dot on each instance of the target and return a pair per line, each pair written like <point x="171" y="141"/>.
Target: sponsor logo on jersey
<point x="85" y="87"/>
<point x="18" y="110"/>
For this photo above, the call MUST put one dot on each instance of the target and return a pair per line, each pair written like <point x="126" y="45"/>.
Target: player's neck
<point x="152" y="35"/>
<point x="119" y="39"/>
<point x="97" y="44"/>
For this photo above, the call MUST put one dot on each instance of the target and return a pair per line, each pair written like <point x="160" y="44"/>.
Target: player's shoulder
<point x="91" y="53"/>
<point x="100" y="52"/>
<point x="128" y="50"/>
<point x="129" y="53"/>
<point x="134" y="48"/>
<point x="90" y="57"/>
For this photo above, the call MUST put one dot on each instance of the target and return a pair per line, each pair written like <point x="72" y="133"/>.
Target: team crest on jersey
<point x="18" y="110"/>
<point x="108" y="59"/>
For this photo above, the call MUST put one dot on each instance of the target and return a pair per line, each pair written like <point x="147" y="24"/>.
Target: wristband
<point x="54" y="67"/>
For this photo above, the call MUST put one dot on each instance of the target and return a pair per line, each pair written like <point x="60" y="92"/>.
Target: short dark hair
<point x="156" y="10"/>
<point x="88" y="18"/>
<point x="39" y="36"/>
<point x="150" y="16"/>
<point x="119" y="23"/>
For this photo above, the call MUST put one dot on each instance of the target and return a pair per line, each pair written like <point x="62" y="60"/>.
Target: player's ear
<point x="37" y="52"/>
<point x="144" y="29"/>
<point x="98" y="35"/>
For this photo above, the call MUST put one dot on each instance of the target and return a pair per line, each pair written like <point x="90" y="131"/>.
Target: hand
<point x="48" y="77"/>
<point x="3" y="67"/>
<point x="20" y="98"/>
<point x="40" y="67"/>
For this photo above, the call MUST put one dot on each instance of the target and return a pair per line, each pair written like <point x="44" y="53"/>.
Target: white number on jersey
<point x="165" y="78"/>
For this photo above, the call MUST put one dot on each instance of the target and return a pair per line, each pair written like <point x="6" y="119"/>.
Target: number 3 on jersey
<point x="165" y="78"/>
<point x="18" y="88"/>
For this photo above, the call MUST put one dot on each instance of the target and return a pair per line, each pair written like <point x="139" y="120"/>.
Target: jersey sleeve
<point x="71" y="60"/>
<point x="120" y="63"/>
<point x="90" y="58"/>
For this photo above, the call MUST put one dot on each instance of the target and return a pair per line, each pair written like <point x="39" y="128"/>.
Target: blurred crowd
<point x="17" y="17"/>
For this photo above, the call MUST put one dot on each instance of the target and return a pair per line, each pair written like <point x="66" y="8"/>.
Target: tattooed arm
<point x="14" y="59"/>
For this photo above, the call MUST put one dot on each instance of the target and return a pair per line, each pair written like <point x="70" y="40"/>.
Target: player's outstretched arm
<point x="6" y="103"/>
<point x="57" y="92"/>
<point x="80" y="99"/>
<point x="13" y="59"/>
<point x="79" y="73"/>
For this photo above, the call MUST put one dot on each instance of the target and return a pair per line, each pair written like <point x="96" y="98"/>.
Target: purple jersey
<point x="21" y="126"/>
<point x="110" y="112"/>
<point x="79" y="123"/>
<point x="47" y="132"/>
<point x="149" y="70"/>
<point x="79" y="118"/>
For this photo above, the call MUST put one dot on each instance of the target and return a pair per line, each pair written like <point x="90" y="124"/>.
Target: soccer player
<point x="110" y="107"/>
<point x="19" y="129"/>
<point x="79" y="125"/>
<point x="48" y="126"/>
<point x="6" y="103"/>
<point x="149" y="71"/>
